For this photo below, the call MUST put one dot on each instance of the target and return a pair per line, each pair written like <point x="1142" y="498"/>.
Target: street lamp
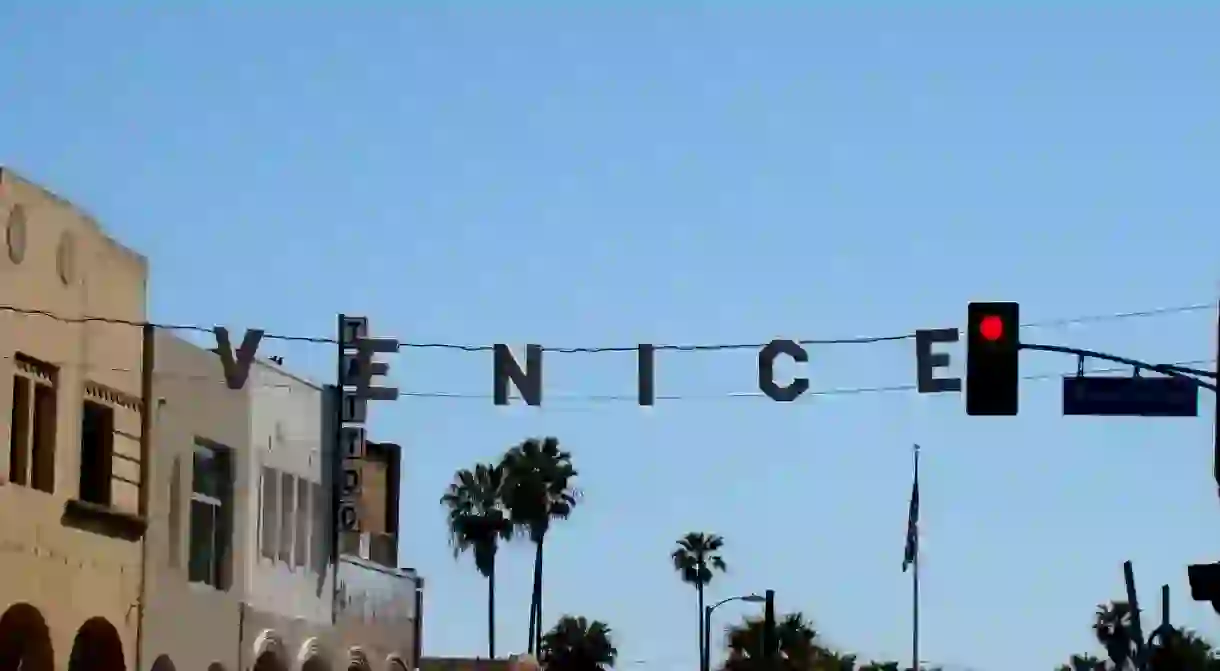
<point x="707" y="624"/>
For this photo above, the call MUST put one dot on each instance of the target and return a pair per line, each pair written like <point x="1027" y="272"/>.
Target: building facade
<point x="378" y="605"/>
<point x="195" y="541"/>
<point x="239" y="539"/>
<point x="71" y="487"/>
<point x="151" y="518"/>
<point x="289" y="616"/>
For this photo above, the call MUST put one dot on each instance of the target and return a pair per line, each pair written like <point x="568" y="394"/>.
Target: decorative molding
<point x="358" y="659"/>
<point x="100" y="392"/>
<point x="310" y="649"/>
<point x="35" y="368"/>
<point x="15" y="233"/>
<point x="269" y="641"/>
<point x="65" y="258"/>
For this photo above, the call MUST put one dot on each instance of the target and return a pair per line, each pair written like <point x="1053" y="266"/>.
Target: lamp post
<point x="707" y="624"/>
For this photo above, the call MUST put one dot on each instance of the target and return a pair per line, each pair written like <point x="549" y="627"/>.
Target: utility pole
<point x="769" y="639"/>
<point x="1137" y="628"/>
<point x="148" y="405"/>
<point x="1216" y="422"/>
<point x="1165" y="606"/>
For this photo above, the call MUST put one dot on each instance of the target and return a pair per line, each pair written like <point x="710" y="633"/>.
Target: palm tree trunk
<point x="491" y="611"/>
<point x="704" y="663"/>
<point x="534" y="619"/>
<point x="538" y="594"/>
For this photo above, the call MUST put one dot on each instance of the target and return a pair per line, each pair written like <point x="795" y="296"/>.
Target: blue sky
<point x="701" y="173"/>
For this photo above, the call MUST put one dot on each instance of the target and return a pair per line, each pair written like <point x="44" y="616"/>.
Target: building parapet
<point x="374" y="593"/>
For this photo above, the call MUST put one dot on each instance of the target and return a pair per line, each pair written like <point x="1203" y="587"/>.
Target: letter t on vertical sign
<point x="992" y="344"/>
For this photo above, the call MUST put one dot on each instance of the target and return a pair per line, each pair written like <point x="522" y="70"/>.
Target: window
<point x="96" y="452"/>
<point x="267" y="517"/>
<point x="301" y="551"/>
<point x="288" y="495"/>
<point x="211" y="507"/>
<point x="32" y="439"/>
<point x="19" y="440"/>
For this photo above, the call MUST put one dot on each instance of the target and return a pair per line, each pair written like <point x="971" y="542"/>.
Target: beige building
<point x="194" y="596"/>
<point x="238" y="546"/>
<point x="222" y="561"/>
<point x="71" y="516"/>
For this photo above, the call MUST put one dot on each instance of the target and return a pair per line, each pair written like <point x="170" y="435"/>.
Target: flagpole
<point x="915" y="584"/>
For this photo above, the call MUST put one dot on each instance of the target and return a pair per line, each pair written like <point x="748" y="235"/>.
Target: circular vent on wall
<point x="15" y="234"/>
<point x="65" y="258"/>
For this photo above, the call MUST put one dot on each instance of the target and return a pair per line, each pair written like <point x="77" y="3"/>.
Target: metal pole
<point x="1165" y="605"/>
<point x="148" y="405"/>
<point x="915" y="584"/>
<point x="418" y="644"/>
<point x="707" y="638"/>
<point x="769" y="638"/>
<point x="1216" y="422"/>
<point x="1170" y="371"/>
<point x="1137" y="629"/>
<point x="336" y="472"/>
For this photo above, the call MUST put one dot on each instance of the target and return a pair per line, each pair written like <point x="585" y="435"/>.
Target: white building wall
<point x="286" y="424"/>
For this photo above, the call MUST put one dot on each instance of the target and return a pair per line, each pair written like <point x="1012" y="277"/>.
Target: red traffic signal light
<point x="991" y="328"/>
<point x="991" y="359"/>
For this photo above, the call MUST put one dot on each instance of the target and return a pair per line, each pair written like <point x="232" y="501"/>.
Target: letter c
<point x="766" y="370"/>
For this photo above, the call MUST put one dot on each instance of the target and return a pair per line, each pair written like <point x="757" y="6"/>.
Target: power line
<point x="713" y="347"/>
<point x="595" y="398"/>
<point x="836" y="391"/>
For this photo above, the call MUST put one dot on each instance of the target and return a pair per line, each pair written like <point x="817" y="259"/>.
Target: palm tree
<point x="1083" y="663"/>
<point x="696" y="561"/>
<point x="576" y="644"/>
<point x="1112" y="626"/>
<point x="1185" y="651"/>
<point x="538" y="489"/>
<point x="477" y="523"/>
<point x="1174" y="651"/>
<point x="835" y="661"/>
<point x="799" y="648"/>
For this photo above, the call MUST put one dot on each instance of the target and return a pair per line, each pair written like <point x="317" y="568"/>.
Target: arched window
<point x="163" y="663"/>
<point x="97" y="647"/>
<point x="269" y="661"/>
<point x="25" y="642"/>
<point x="357" y="660"/>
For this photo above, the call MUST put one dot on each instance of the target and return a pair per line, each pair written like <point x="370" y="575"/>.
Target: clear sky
<point x="708" y="172"/>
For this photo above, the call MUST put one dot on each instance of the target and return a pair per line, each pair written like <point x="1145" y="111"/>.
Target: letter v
<point x="237" y="370"/>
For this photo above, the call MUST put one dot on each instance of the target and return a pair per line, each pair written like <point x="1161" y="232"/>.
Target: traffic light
<point x="991" y="358"/>
<point x="1205" y="583"/>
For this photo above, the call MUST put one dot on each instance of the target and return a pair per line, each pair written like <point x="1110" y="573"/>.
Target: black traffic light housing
<point x="1205" y="583"/>
<point x="992" y="341"/>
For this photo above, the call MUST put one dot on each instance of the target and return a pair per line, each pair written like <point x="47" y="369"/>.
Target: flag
<point x="912" y="548"/>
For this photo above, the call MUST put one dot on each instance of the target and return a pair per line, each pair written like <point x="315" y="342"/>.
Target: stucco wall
<point x="293" y="641"/>
<point x="72" y="269"/>
<point x="195" y="625"/>
<point x="285" y="435"/>
<point x="376" y="610"/>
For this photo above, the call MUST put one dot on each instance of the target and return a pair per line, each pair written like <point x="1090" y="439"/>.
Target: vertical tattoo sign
<point x="356" y="372"/>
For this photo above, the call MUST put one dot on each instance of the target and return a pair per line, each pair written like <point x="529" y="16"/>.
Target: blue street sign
<point x="1130" y="396"/>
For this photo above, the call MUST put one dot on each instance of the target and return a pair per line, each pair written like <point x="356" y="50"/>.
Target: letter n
<point x="528" y="382"/>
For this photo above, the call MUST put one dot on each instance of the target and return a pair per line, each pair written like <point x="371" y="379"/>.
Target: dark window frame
<point x="213" y="568"/>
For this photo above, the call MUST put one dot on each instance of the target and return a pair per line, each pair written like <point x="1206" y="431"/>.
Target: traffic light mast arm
<point x="1172" y="371"/>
